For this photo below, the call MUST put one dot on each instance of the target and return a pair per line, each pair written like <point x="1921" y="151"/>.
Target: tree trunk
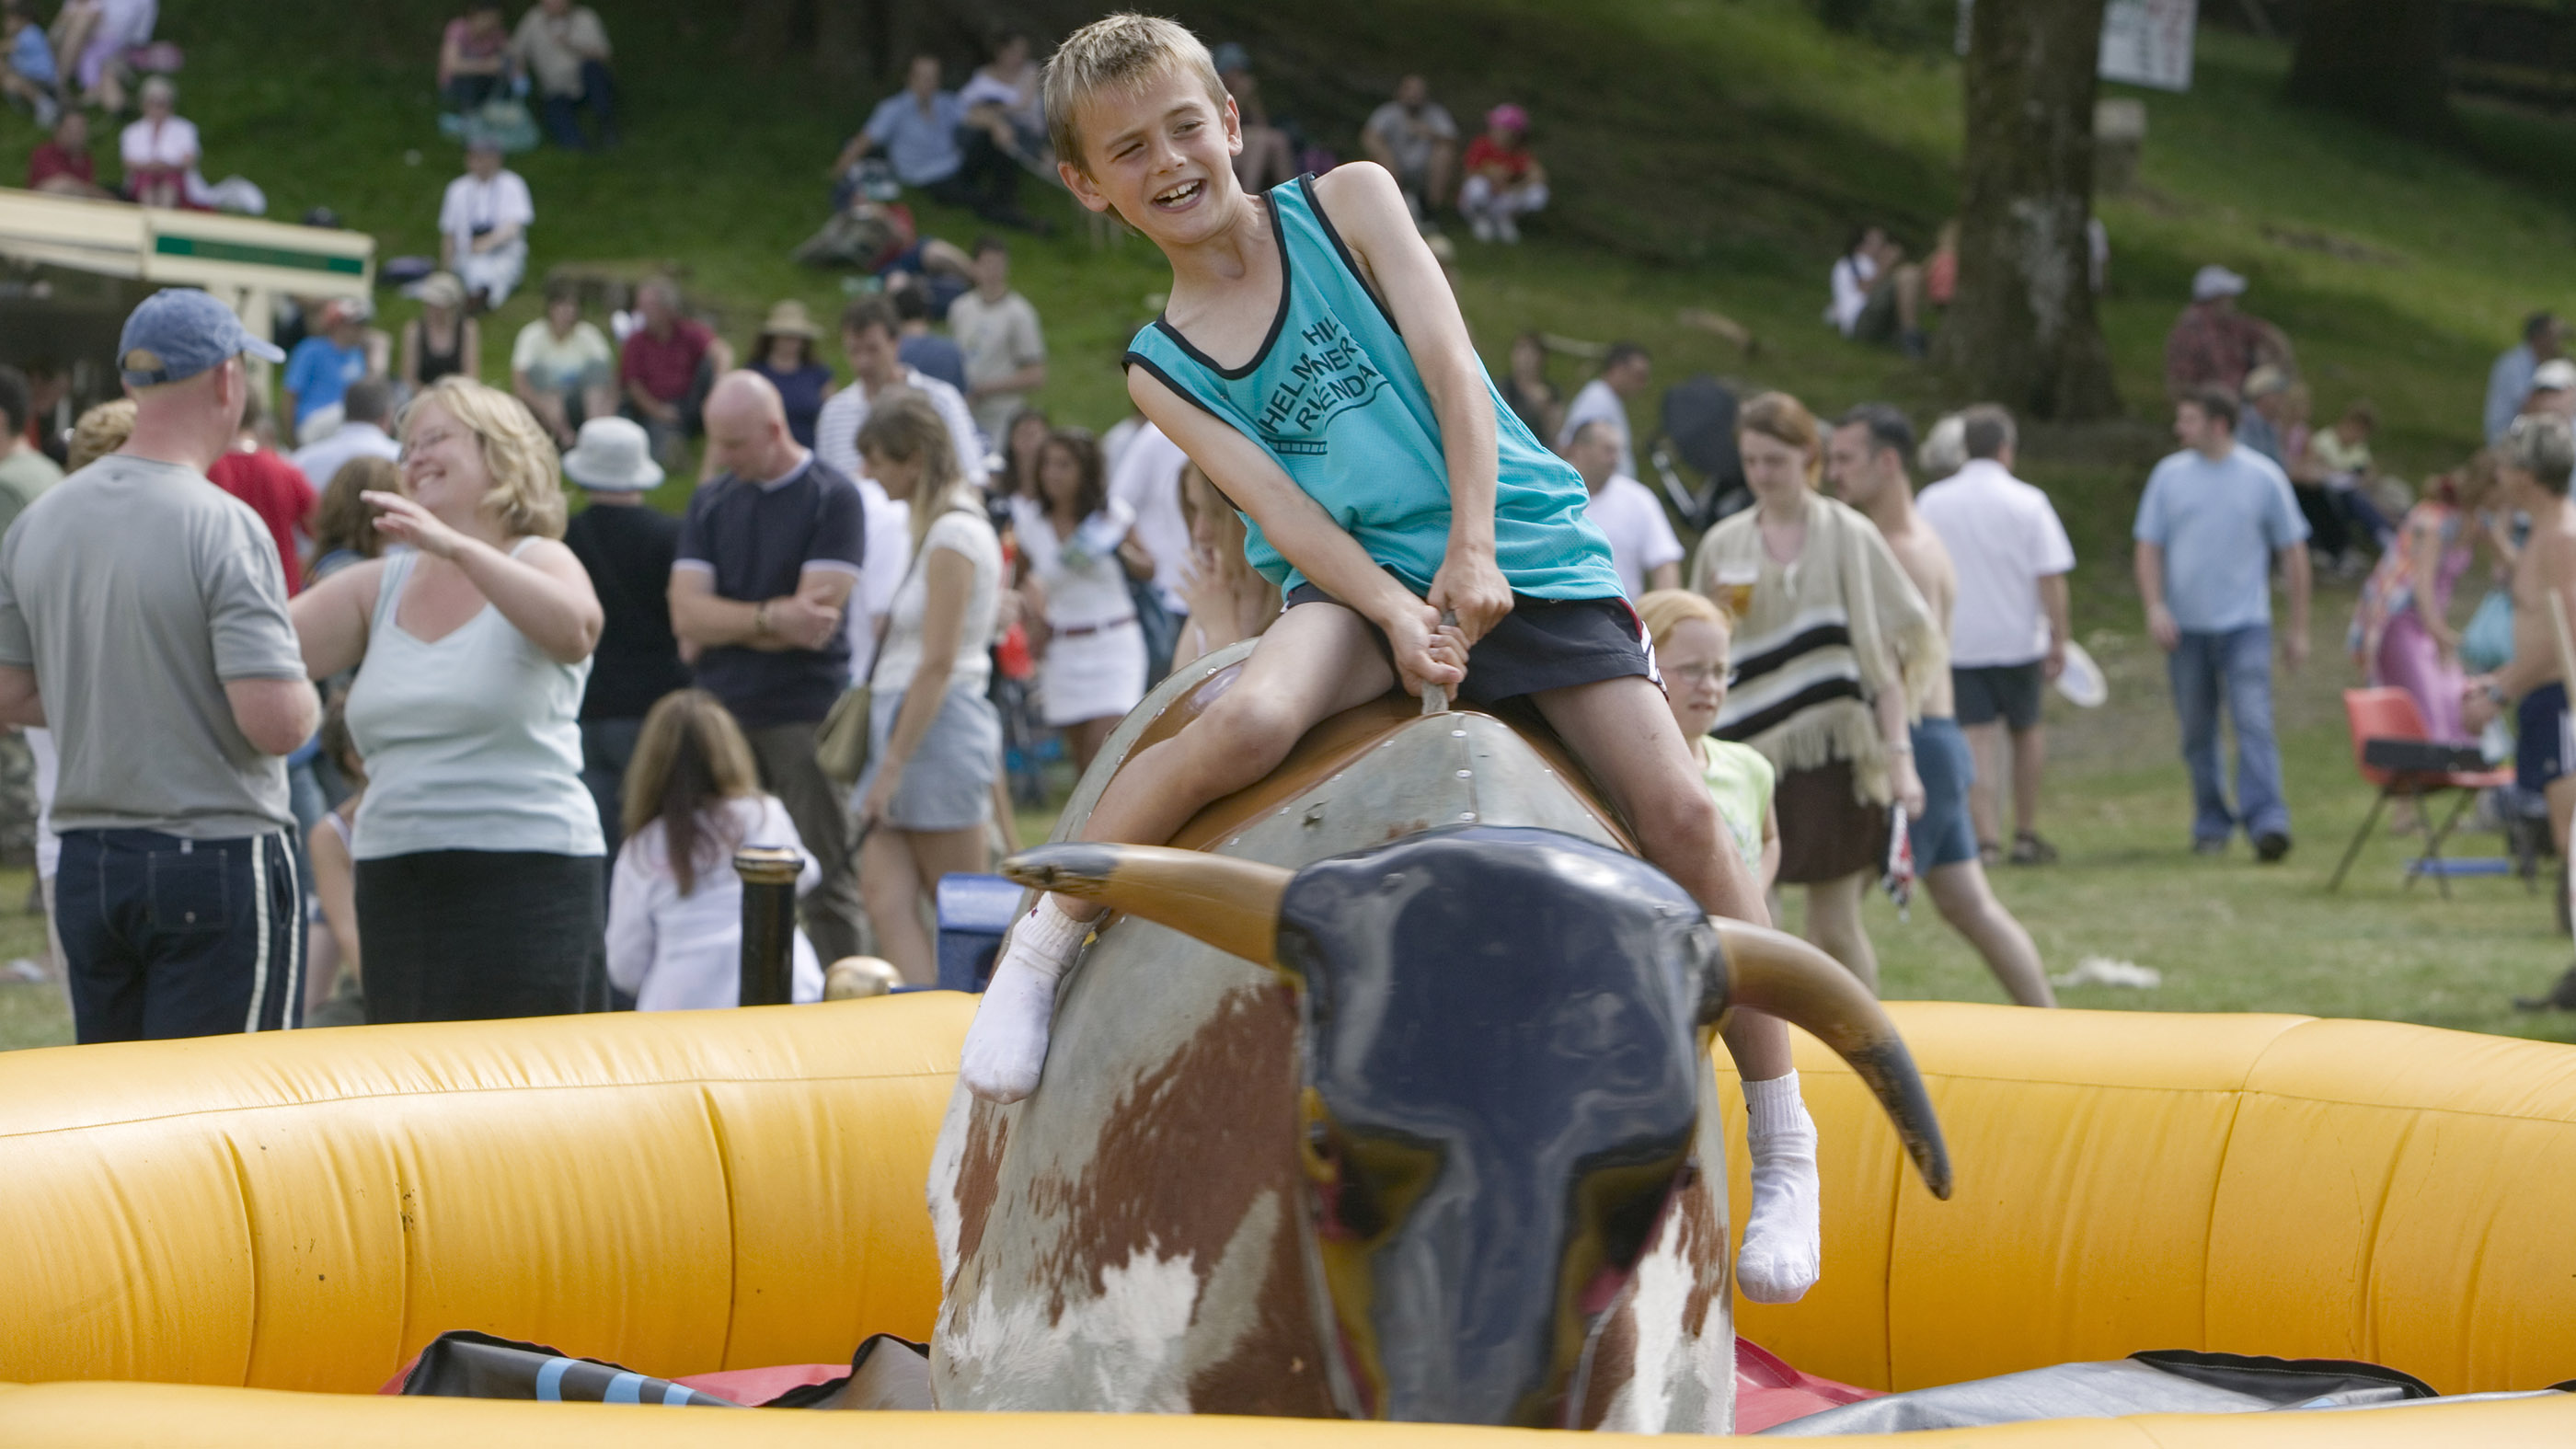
<point x="768" y="32"/>
<point x="2022" y="329"/>
<point x="2380" y="60"/>
<point x="843" y="32"/>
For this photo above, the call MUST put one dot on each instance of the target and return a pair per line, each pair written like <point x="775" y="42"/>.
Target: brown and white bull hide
<point x="1129" y="1238"/>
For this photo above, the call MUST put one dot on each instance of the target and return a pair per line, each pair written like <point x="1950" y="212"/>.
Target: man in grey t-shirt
<point x="143" y="619"/>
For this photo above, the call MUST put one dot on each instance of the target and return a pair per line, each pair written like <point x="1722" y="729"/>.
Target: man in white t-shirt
<point x="1624" y="371"/>
<point x="871" y="335"/>
<point x="2008" y="637"/>
<point x="1642" y="545"/>
<point x="483" y="224"/>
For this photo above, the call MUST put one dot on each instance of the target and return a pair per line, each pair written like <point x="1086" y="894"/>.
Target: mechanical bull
<point x="1383" y="1093"/>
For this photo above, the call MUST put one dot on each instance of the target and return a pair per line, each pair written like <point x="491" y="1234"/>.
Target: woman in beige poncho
<point x="1832" y="647"/>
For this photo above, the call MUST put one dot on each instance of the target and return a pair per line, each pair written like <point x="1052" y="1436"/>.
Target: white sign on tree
<point x="2148" y="42"/>
<point x="2144" y="42"/>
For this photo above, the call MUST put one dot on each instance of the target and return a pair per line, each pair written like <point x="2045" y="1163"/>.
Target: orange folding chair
<point x="2390" y="750"/>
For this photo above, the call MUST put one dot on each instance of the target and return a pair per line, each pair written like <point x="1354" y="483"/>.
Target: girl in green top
<point x="1783" y="1234"/>
<point x="1693" y="645"/>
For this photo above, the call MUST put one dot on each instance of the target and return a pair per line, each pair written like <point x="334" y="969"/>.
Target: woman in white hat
<point x="784" y="353"/>
<point x="442" y="339"/>
<point x="627" y="547"/>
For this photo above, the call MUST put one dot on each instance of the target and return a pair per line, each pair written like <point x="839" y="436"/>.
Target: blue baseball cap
<point x="179" y="332"/>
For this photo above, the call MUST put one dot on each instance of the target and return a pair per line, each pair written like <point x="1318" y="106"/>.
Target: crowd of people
<point x="425" y="713"/>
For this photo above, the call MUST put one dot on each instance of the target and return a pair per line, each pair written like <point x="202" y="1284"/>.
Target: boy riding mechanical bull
<point x="1315" y="366"/>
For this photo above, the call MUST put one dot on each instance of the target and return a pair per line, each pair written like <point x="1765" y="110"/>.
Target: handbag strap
<point x="918" y="553"/>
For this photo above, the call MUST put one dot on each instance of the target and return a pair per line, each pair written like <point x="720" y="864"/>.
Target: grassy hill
<point x="1707" y="153"/>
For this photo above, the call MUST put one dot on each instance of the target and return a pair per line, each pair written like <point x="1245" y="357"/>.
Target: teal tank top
<point x="1334" y="398"/>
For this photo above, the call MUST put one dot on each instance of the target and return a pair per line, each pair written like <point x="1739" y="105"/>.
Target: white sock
<point x="1783" y="1244"/>
<point x="1006" y="1047"/>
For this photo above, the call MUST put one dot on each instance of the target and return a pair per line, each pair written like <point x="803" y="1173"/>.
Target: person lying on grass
<point x="1314" y="364"/>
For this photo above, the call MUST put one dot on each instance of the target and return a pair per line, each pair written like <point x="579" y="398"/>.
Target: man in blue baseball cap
<point x="143" y="617"/>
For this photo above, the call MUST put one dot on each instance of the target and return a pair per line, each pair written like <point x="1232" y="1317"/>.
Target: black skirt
<point x="473" y="935"/>
<point x="1826" y="832"/>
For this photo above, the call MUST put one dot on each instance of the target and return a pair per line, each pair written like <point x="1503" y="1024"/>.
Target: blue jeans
<point x="607" y="748"/>
<point x="599" y="94"/>
<point x="2234" y="668"/>
<point x="165" y="937"/>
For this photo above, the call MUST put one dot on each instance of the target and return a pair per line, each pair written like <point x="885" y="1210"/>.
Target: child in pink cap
<point x="1504" y="181"/>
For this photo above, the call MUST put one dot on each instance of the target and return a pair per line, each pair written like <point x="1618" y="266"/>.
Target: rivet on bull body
<point x="1439" y="1145"/>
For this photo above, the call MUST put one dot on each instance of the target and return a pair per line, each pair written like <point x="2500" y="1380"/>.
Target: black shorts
<point x="1541" y="644"/>
<point x="2006" y="691"/>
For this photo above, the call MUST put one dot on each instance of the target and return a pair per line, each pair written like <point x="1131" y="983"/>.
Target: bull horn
<point x="1230" y="904"/>
<point x="1776" y="973"/>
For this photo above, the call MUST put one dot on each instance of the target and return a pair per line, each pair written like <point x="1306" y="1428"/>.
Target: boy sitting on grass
<point x="1314" y="365"/>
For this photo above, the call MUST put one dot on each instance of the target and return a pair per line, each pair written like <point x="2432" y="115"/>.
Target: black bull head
<point x="1503" y="1039"/>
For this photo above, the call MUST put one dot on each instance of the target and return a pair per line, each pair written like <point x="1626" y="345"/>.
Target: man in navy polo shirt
<point x="768" y="553"/>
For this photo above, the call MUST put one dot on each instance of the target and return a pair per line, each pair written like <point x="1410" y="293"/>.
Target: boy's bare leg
<point x="1623" y="733"/>
<point x="1316" y="661"/>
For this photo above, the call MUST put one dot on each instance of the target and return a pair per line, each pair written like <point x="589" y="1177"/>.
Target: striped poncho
<point x="1824" y="635"/>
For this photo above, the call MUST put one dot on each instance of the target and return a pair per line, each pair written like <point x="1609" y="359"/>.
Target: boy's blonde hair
<point x="1665" y="610"/>
<point x="1120" y="52"/>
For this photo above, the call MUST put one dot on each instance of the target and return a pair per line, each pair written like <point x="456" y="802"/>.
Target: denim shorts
<point x="948" y="782"/>
<point x="1943" y="834"/>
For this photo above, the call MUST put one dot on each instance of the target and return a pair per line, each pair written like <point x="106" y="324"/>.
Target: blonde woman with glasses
<point x="478" y="849"/>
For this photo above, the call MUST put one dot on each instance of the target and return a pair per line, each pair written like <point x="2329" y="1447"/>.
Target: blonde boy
<point x="1314" y="365"/>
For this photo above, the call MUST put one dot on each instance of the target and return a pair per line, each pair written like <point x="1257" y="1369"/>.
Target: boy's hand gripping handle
<point x="1435" y="698"/>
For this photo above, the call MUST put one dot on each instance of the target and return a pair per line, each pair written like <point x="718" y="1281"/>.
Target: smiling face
<point x="443" y="465"/>
<point x="1161" y="155"/>
<point x="1692" y="657"/>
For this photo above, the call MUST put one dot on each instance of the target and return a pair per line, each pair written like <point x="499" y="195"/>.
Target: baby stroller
<point x="1698" y="427"/>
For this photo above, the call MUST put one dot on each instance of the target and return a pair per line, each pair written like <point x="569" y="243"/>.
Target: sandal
<point x="1989" y="854"/>
<point x="2029" y="849"/>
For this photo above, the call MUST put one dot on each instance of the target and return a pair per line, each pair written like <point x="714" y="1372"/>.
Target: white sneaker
<point x="1483" y="228"/>
<point x="1507" y="231"/>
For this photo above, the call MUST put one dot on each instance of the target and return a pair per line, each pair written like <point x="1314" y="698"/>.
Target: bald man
<point x="768" y="552"/>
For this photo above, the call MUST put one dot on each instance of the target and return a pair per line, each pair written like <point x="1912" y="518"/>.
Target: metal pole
<point x="768" y="921"/>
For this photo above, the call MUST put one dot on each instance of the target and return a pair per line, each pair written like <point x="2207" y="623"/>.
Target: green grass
<point x="2227" y="934"/>
<point x="1707" y="153"/>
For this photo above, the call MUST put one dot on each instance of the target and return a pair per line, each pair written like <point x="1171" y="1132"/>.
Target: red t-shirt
<point x="1482" y="154"/>
<point x="666" y="368"/>
<point x="278" y="492"/>
<point x="51" y="160"/>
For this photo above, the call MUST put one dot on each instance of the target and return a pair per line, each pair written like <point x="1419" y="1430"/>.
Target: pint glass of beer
<point x="1735" y="588"/>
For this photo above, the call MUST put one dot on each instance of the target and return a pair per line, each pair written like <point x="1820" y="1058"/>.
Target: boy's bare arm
<point x="1303" y="532"/>
<point x="1369" y="211"/>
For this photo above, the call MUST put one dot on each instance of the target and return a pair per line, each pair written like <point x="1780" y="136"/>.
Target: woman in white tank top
<point x="479" y="855"/>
